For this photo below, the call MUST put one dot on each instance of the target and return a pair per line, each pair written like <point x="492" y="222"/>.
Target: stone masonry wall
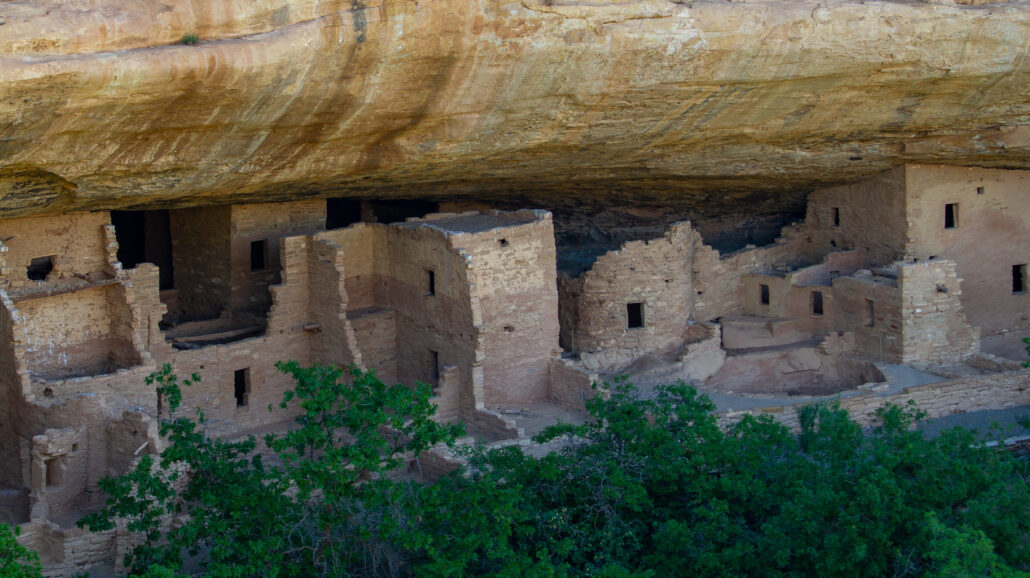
<point x="880" y="336"/>
<point x="935" y="327"/>
<point x="718" y="278"/>
<point x="990" y="236"/>
<point x="334" y="341"/>
<point x="512" y="277"/>
<point x="656" y="274"/>
<point x="868" y="216"/>
<point x="677" y="278"/>
<point x="986" y="392"/>
<point x="267" y="222"/>
<point x="76" y="242"/>
<point x="440" y="321"/>
<point x="201" y="260"/>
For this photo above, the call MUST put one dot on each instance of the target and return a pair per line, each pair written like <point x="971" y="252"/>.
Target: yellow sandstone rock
<point x="102" y="106"/>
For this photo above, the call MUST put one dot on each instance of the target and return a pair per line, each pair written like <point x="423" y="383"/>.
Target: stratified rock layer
<point x="649" y="99"/>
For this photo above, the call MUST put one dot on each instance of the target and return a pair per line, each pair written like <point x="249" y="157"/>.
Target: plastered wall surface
<point x="991" y="235"/>
<point x="901" y="215"/>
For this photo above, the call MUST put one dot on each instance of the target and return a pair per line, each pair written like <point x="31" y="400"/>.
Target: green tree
<point x="319" y="506"/>
<point x="16" y="561"/>
<point x="647" y="486"/>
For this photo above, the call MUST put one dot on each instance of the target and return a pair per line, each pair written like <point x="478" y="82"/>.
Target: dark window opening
<point x="258" y="251"/>
<point x="39" y="268"/>
<point x="402" y="209"/>
<point x="241" y="386"/>
<point x="55" y="472"/>
<point x="951" y="215"/>
<point x="836" y="217"/>
<point x="980" y="190"/>
<point x="870" y="313"/>
<point x="145" y="237"/>
<point x="634" y="315"/>
<point x="434" y="366"/>
<point x="340" y="213"/>
<point x="763" y="294"/>
<point x="430" y="282"/>
<point x="817" y="302"/>
<point x="1019" y="278"/>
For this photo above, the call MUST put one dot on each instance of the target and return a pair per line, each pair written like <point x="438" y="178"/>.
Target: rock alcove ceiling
<point x="718" y="108"/>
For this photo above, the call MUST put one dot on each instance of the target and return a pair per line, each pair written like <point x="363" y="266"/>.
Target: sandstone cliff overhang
<point x="104" y="107"/>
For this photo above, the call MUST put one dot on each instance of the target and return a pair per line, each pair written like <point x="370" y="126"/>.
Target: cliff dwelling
<point x="510" y="202"/>
<point x="879" y="275"/>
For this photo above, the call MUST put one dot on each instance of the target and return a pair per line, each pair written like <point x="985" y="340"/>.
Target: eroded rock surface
<point x="647" y="99"/>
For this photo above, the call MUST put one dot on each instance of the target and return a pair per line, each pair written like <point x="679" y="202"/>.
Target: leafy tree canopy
<point x="646" y="487"/>
<point x="16" y="561"/>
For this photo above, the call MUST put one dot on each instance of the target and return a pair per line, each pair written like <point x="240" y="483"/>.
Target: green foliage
<point x="322" y="506"/>
<point x="645" y="487"/>
<point x="16" y="561"/>
<point x="1026" y="341"/>
<point x="191" y="39"/>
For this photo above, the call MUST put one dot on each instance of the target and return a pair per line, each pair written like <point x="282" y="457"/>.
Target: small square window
<point x="634" y="315"/>
<point x="980" y="190"/>
<point x="241" y="387"/>
<point x="951" y="216"/>
<point x="817" y="302"/>
<point x="1019" y="279"/>
<point x="258" y="252"/>
<point x="836" y="217"/>
<point x="870" y="313"/>
<point x="430" y="282"/>
<point x="39" y="268"/>
<point x="763" y="294"/>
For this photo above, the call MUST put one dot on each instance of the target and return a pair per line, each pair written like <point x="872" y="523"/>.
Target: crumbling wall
<point x="75" y="241"/>
<point x="718" y="279"/>
<point x="655" y="275"/>
<point x="571" y="385"/>
<point x="266" y="224"/>
<point x="970" y="394"/>
<point x="677" y="279"/>
<point x="14" y="384"/>
<point x="356" y="322"/>
<point x="201" y="248"/>
<point x="77" y="333"/>
<point x="935" y="327"/>
<point x="990" y="235"/>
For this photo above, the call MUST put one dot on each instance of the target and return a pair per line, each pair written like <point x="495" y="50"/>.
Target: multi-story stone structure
<point x="907" y="268"/>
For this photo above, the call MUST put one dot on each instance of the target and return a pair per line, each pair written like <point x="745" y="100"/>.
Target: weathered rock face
<point x="493" y="99"/>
